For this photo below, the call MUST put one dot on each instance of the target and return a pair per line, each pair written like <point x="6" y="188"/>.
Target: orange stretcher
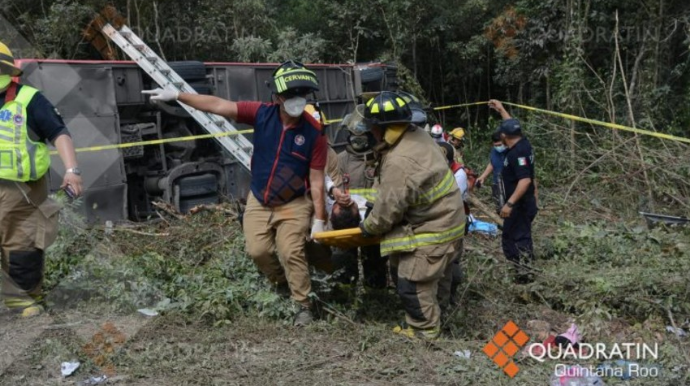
<point x="345" y="238"/>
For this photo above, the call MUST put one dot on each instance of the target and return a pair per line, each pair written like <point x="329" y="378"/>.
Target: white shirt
<point x="461" y="180"/>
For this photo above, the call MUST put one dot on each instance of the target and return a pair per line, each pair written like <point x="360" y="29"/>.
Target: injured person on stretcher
<point x="339" y="217"/>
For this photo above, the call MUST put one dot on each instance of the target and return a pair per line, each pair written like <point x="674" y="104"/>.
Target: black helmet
<point x="292" y="77"/>
<point x="419" y="117"/>
<point x="387" y="108"/>
<point x="448" y="152"/>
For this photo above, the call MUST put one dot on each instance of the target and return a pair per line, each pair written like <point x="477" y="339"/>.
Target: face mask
<point x="295" y="106"/>
<point x="394" y="132"/>
<point x="5" y="81"/>
<point x="500" y="149"/>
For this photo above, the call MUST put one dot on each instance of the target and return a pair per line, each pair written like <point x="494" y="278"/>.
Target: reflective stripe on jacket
<point x="21" y="159"/>
<point x="418" y="202"/>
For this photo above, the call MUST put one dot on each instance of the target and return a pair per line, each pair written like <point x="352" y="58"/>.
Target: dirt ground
<point x="344" y="347"/>
<point x="167" y="351"/>
<point x="171" y="350"/>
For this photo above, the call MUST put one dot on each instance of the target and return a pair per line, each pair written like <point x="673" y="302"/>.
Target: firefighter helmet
<point x="360" y="139"/>
<point x="387" y="108"/>
<point x="457" y="133"/>
<point x="293" y="78"/>
<point x="7" y="66"/>
<point x="436" y="131"/>
<point x="418" y="114"/>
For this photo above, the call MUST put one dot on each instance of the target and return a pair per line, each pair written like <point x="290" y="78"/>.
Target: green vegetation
<point x="618" y="61"/>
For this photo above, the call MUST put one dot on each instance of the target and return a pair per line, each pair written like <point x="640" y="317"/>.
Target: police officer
<point x="28" y="218"/>
<point x="519" y="182"/>
<point x="289" y="159"/>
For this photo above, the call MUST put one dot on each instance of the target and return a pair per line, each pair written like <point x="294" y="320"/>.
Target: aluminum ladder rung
<point x="161" y="73"/>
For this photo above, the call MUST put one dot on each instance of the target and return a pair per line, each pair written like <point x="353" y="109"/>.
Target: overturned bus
<point x="102" y="104"/>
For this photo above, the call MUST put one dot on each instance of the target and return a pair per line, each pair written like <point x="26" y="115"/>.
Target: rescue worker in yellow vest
<point x="28" y="218"/>
<point x="416" y="211"/>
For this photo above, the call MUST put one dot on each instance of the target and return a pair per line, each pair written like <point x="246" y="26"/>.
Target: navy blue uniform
<point x="517" y="228"/>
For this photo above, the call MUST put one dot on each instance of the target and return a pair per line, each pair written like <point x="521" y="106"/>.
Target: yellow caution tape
<point x="571" y="117"/>
<point x="614" y="126"/>
<point x="460" y="105"/>
<point x="157" y="141"/>
<point x="595" y="122"/>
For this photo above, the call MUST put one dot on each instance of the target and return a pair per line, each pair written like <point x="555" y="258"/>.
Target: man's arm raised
<point x="208" y="103"/>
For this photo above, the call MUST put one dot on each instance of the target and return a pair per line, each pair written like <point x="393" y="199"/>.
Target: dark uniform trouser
<point x="448" y="286"/>
<point x="373" y="265"/>
<point x="419" y="273"/>
<point x="28" y="225"/>
<point x="517" y="232"/>
<point x="496" y="196"/>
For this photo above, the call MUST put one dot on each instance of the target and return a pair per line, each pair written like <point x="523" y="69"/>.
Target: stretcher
<point x="345" y="238"/>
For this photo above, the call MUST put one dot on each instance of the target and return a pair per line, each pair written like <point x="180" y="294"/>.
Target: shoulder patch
<point x="522" y="161"/>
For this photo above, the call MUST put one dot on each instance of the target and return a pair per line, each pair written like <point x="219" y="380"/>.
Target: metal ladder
<point x="161" y="73"/>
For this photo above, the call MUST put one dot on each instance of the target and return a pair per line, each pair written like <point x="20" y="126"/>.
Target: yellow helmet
<point x="458" y="133"/>
<point x="7" y="62"/>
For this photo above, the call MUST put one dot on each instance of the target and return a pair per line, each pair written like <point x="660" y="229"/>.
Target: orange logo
<point x="504" y="345"/>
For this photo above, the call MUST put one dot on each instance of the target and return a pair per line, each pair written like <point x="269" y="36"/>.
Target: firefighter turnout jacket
<point x="418" y="202"/>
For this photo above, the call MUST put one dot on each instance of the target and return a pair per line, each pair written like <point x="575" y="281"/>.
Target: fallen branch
<point x="169" y="209"/>
<point x="212" y="208"/>
<point x="140" y="232"/>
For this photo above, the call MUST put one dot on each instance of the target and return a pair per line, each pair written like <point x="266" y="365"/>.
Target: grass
<point x="221" y="323"/>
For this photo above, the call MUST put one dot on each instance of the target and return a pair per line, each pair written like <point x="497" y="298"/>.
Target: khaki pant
<point x="448" y="284"/>
<point x="282" y="229"/>
<point x="28" y="225"/>
<point x="419" y="273"/>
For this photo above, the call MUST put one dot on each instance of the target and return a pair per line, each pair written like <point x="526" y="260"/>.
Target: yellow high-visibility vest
<point x="21" y="159"/>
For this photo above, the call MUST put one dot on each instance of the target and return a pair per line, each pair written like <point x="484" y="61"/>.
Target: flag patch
<point x="522" y="161"/>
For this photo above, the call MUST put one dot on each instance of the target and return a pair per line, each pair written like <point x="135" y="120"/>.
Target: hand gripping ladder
<point x="161" y="73"/>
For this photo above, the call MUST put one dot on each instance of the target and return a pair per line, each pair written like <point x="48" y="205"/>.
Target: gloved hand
<point x="317" y="227"/>
<point x="162" y="95"/>
<point x="364" y="231"/>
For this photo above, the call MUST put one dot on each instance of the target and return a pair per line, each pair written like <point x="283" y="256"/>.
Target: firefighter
<point x="455" y="138"/>
<point x="289" y="159"/>
<point x="519" y="183"/>
<point x="358" y="163"/>
<point x="28" y="218"/>
<point x="447" y="292"/>
<point x="416" y="212"/>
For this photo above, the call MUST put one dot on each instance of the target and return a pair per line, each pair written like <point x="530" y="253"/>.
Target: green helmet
<point x="293" y="78"/>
